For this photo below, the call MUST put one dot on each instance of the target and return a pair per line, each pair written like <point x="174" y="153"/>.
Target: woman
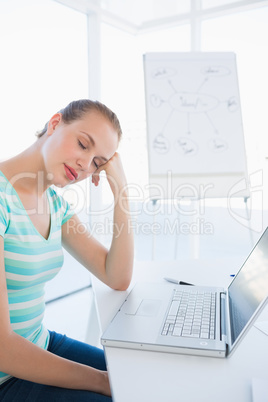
<point x="35" y="364"/>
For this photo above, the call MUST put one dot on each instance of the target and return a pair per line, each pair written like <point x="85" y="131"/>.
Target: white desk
<point x="141" y="376"/>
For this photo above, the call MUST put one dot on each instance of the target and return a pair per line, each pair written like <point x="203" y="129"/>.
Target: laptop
<point x="196" y="320"/>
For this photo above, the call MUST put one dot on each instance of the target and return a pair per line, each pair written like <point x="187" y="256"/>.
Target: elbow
<point x="122" y="286"/>
<point x="6" y="347"/>
<point x="121" y="279"/>
<point x="125" y="282"/>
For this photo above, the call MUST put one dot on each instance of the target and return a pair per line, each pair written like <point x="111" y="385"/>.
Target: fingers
<point x="114" y="172"/>
<point x="96" y="178"/>
<point x="96" y="174"/>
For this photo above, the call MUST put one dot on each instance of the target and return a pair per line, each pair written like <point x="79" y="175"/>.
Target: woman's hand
<point x="114" y="173"/>
<point x="106" y="389"/>
<point x="119" y="260"/>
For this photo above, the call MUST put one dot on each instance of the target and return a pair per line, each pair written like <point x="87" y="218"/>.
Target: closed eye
<point x="81" y="145"/>
<point x="95" y="164"/>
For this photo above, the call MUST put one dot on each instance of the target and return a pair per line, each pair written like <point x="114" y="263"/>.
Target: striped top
<point x="30" y="261"/>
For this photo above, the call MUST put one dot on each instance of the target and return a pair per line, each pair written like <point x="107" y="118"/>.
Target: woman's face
<point x="72" y="152"/>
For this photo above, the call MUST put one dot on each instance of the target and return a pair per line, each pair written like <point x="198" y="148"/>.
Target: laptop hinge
<point x="223" y="332"/>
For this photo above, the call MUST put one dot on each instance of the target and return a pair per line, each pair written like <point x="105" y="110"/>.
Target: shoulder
<point x="59" y="204"/>
<point x="3" y="181"/>
<point x="4" y="190"/>
<point x="6" y="187"/>
<point x="56" y="198"/>
<point x="4" y="204"/>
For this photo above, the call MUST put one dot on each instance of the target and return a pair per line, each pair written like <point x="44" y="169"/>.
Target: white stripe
<point x="2" y="227"/>
<point x="56" y="234"/>
<point x="54" y="195"/>
<point x="23" y="305"/>
<point x="29" y="278"/>
<point x="25" y="238"/>
<point x="33" y="258"/>
<point x="32" y="238"/>
<point x="19" y="218"/>
<point x="42" y="340"/>
<point x="3" y="379"/>
<point x="40" y="286"/>
<point x="27" y="324"/>
<point x="13" y="199"/>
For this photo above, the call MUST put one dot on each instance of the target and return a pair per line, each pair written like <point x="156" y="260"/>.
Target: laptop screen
<point x="249" y="288"/>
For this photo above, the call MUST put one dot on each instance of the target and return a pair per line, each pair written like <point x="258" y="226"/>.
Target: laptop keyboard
<point x="191" y="314"/>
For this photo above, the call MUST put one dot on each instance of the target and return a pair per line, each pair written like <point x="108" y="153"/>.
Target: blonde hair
<point x="77" y="109"/>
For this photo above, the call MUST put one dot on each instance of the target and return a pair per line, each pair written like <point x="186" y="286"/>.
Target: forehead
<point x="100" y="132"/>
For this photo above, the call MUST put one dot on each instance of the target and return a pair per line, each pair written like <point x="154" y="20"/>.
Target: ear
<point x="53" y="122"/>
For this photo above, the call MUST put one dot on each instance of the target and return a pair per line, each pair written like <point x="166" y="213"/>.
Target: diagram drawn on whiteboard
<point x="194" y="115"/>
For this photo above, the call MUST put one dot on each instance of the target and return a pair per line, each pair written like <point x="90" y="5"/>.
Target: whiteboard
<point x="194" y="122"/>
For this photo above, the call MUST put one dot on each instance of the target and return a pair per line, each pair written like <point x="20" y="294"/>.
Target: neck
<point x="26" y="171"/>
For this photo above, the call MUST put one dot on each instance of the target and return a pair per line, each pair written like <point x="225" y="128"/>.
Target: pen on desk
<point x="171" y="280"/>
<point x="185" y="283"/>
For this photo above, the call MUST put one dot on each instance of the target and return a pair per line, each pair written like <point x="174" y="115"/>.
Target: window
<point x="245" y="34"/>
<point x="123" y="83"/>
<point x="42" y="68"/>
<point x="44" y="53"/>
<point x="123" y="88"/>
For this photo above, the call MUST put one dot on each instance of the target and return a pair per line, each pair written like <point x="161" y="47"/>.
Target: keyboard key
<point x="191" y="315"/>
<point x="174" y="308"/>
<point x="177" y="331"/>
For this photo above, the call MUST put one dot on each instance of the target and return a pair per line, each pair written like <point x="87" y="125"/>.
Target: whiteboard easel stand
<point x="195" y="239"/>
<point x="194" y="244"/>
<point x="249" y="225"/>
<point x="215" y="78"/>
<point x="153" y="241"/>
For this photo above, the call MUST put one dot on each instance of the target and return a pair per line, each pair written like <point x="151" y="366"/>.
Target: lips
<point x="70" y="172"/>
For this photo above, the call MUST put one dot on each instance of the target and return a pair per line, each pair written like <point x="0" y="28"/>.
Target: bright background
<point x="53" y="52"/>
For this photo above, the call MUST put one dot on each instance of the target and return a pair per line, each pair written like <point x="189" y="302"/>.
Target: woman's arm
<point x="23" y="359"/>
<point x="113" y="267"/>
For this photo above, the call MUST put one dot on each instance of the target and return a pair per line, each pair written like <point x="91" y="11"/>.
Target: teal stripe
<point x="32" y="289"/>
<point x="20" y="225"/>
<point x="26" y="297"/>
<point x="14" y="241"/>
<point x="3" y="203"/>
<point x="26" y="317"/>
<point x="4" y="375"/>
<point x="16" y="285"/>
<point x="40" y="307"/>
<point x="27" y="332"/>
<point x="41" y="266"/>
<point x="28" y="250"/>
<point x="30" y="271"/>
<point x="13" y="230"/>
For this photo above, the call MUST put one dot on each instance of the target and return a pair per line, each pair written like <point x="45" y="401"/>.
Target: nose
<point x="86" y="163"/>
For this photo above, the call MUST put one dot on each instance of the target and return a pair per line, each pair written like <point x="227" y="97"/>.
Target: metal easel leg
<point x="153" y="241"/>
<point x="249" y="226"/>
<point x="195" y="237"/>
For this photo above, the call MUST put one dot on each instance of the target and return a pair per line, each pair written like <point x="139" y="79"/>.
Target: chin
<point x="60" y="182"/>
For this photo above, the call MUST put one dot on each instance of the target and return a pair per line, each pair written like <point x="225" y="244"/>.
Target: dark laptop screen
<point x="249" y="288"/>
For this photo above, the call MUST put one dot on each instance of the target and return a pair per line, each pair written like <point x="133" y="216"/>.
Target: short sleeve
<point x="3" y="217"/>
<point x="67" y="211"/>
<point x="60" y="206"/>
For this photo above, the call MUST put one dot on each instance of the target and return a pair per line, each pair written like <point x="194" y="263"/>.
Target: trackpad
<point x="149" y="307"/>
